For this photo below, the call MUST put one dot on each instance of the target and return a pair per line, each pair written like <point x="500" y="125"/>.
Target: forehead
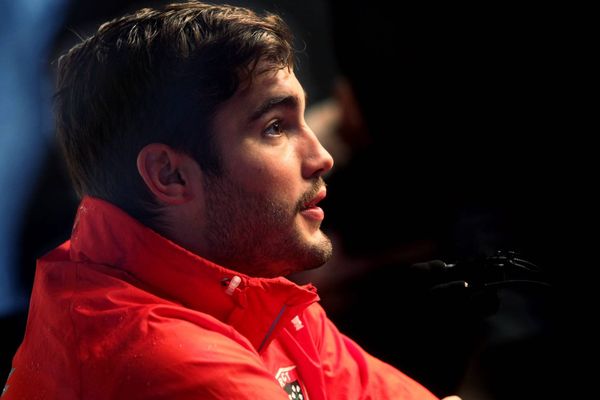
<point x="265" y="84"/>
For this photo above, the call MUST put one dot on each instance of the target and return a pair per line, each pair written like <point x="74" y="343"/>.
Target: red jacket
<point x="119" y="312"/>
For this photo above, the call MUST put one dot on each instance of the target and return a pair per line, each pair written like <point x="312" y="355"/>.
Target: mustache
<point x="310" y="194"/>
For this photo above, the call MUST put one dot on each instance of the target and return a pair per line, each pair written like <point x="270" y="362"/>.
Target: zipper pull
<point x="233" y="284"/>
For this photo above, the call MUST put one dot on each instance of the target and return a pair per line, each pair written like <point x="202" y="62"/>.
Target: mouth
<point x="311" y="209"/>
<point x="317" y="199"/>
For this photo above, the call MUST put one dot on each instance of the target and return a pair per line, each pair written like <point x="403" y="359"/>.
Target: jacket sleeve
<point x="350" y="372"/>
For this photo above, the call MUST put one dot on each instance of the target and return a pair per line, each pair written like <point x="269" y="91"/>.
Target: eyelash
<point x="277" y="124"/>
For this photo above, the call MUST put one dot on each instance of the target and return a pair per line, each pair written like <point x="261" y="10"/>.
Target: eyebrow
<point x="273" y="102"/>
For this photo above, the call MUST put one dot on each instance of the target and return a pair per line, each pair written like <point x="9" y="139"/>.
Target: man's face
<point x="260" y="213"/>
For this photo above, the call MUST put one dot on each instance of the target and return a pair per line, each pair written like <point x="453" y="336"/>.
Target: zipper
<point x="272" y="328"/>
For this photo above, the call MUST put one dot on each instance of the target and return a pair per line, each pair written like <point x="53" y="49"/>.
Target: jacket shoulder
<point x="179" y="359"/>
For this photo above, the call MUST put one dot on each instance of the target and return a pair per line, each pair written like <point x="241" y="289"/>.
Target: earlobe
<point x="164" y="172"/>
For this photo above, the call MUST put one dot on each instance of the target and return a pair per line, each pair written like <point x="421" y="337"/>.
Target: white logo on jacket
<point x="297" y="323"/>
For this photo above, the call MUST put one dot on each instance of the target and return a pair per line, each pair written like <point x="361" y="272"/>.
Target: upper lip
<point x="315" y="200"/>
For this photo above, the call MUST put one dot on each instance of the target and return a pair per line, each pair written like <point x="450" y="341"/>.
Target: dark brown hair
<point x="156" y="76"/>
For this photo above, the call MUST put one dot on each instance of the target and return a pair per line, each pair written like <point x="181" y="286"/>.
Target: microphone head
<point x="430" y="266"/>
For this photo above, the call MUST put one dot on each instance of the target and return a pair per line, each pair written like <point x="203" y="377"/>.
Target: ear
<point x="170" y="175"/>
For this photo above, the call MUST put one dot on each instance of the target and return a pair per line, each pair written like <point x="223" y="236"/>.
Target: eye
<point x="274" y="129"/>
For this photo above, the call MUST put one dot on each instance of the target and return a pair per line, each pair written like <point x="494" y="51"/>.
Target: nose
<point x="316" y="161"/>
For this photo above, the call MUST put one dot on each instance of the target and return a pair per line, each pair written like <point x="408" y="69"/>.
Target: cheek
<point x="267" y="169"/>
<point x="276" y="180"/>
<point x="253" y="162"/>
<point x="270" y="180"/>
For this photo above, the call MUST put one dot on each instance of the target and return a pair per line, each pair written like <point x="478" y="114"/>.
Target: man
<point x="184" y="132"/>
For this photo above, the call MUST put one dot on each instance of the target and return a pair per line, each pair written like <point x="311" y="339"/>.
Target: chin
<point x="318" y="253"/>
<point x="310" y="254"/>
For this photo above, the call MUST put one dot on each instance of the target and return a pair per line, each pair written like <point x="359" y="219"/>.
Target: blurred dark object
<point x="494" y="335"/>
<point x="452" y="101"/>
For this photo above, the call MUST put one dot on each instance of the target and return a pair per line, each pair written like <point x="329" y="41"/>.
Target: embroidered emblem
<point x="289" y="381"/>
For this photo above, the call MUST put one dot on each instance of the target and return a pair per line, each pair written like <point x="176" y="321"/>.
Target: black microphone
<point x="471" y="286"/>
<point x="504" y="268"/>
<point x="442" y="271"/>
<point x="430" y="266"/>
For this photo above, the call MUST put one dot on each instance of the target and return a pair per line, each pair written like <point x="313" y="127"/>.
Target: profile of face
<point x="260" y="216"/>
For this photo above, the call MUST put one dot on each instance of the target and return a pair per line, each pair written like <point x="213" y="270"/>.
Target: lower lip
<point x="314" y="213"/>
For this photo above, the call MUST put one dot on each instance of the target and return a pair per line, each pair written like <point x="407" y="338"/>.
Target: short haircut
<point x="156" y="76"/>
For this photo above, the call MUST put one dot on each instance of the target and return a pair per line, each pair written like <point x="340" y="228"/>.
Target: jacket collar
<point x="256" y="308"/>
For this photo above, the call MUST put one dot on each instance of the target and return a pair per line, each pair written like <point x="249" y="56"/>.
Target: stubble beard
<point x="257" y="236"/>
